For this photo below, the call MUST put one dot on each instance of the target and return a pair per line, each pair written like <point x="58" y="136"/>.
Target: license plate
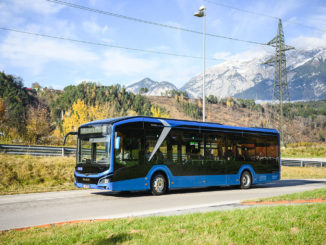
<point x="86" y="186"/>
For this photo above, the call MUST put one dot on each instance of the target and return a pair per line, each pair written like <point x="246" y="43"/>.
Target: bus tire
<point x="245" y="180"/>
<point x="159" y="184"/>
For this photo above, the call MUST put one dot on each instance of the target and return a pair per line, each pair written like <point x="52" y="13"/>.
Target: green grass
<point x="300" y="224"/>
<point x="303" y="173"/>
<point x="24" y="174"/>
<point x="304" y="150"/>
<point x="306" y="195"/>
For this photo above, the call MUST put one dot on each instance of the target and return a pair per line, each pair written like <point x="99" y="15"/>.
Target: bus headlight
<point x="105" y="181"/>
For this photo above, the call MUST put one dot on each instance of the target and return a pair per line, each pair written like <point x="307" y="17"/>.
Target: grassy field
<point x="24" y="174"/>
<point x="300" y="224"/>
<point x="304" y="150"/>
<point x="306" y="195"/>
<point x="303" y="173"/>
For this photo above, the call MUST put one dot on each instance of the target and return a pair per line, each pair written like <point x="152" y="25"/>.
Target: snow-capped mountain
<point x="252" y="79"/>
<point x="154" y="88"/>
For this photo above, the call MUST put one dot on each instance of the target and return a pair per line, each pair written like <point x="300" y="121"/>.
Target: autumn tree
<point x="2" y="116"/>
<point x="77" y="116"/>
<point x="81" y="113"/>
<point x="2" y="111"/>
<point x="36" y="85"/>
<point x="229" y="102"/>
<point x="156" y="112"/>
<point x="200" y="103"/>
<point x="38" y="125"/>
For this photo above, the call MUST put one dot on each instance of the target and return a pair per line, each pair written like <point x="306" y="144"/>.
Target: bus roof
<point x="178" y="123"/>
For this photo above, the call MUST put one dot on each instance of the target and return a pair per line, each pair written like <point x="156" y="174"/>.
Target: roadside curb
<point x="317" y="200"/>
<point x="57" y="224"/>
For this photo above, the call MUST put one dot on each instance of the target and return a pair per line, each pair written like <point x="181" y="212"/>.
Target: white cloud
<point x="37" y="6"/>
<point x="162" y="48"/>
<point x="222" y="55"/>
<point x="178" y="70"/>
<point x="92" y="27"/>
<point x="303" y="42"/>
<point x="318" y="20"/>
<point x="132" y="68"/>
<point x="120" y="62"/>
<point x="34" y="52"/>
<point x="256" y="52"/>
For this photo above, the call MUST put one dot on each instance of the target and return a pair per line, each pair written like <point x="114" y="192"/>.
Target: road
<point x="23" y="210"/>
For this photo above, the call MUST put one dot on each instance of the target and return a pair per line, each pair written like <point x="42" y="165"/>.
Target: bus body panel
<point x="177" y="176"/>
<point x="178" y="182"/>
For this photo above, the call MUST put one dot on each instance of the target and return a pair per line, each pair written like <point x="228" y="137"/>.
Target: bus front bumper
<point x="107" y="187"/>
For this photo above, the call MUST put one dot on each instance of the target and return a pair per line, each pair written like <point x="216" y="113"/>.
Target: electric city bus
<point x="157" y="154"/>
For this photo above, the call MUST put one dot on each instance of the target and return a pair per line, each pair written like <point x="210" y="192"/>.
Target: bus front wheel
<point x="246" y="180"/>
<point x="159" y="184"/>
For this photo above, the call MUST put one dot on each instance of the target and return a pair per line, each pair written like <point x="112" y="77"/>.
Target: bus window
<point x="215" y="147"/>
<point x="160" y="156"/>
<point x="260" y="148"/>
<point x="246" y="148"/>
<point x="129" y="152"/>
<point x="230" y="148"/>
<point x="194" y="146"/>
<point x="272" y="150"/>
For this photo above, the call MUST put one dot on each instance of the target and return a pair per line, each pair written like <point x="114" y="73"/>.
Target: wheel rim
<point x="245" y="180"/>
<point x="159" y="184"/>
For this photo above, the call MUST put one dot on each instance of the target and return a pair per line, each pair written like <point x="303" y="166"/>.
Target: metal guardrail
<point x="70" y="151"/>
<point x="37" y="150"/>
<point x="302" y="163"/>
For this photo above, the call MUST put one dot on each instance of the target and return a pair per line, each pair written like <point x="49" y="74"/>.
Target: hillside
<point x="298" y="128"/>
<point x="43" y="116"/>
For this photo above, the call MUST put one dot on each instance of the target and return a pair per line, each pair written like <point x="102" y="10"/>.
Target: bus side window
<point x="260" y="149"/>
<point x="229" y="154"/>
<point x="129" y="151"/>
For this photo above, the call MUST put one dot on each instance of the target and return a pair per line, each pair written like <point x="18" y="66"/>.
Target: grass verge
<point x="304" y="150"/>
<point x="300" y="224"/>
<point x="306" y="195"/>
<point x="303" y="173"/>
<point x="25" y="174"/>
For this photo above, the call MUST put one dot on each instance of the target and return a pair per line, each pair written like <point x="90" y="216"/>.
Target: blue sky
<point x="55" y="63"/>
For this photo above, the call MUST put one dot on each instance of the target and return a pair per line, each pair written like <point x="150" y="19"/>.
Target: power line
<point x="242" y="10"/>
<point x="149" y="22"/>
<point x="264" y="15"/>
<point x="106" y="45"/>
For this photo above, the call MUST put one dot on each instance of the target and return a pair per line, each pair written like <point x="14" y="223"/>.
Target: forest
<point x="43" y="115"/>
<point x="40" y="115"/>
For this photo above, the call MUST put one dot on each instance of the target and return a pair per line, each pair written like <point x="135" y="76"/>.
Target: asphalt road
<point x="23" y="210"/>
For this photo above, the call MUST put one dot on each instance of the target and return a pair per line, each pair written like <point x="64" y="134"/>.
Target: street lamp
<point x="202" y="13"/>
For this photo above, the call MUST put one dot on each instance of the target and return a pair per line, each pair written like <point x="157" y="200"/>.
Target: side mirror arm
<point x="64" y="138"/>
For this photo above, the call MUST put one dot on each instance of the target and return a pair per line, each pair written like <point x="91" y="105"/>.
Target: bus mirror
<point x="117" y="143"/>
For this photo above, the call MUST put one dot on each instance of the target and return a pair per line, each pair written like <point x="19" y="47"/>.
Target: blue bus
<point x="157" y="154"/>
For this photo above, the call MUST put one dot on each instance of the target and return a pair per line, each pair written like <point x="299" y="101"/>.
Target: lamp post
<point x="202" y="13"/>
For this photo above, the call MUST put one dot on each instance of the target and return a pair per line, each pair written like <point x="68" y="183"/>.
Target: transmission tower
<point x="280" y="90"/>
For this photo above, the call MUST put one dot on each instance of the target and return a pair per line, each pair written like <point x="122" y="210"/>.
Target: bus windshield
<point x="94" y="147"/>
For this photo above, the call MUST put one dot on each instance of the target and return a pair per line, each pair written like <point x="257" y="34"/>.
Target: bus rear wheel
<point x="245" y="180"/>
<point x="159" y="184"/>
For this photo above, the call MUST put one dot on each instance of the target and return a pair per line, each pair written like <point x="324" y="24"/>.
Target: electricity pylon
<point x="280" y="90"/>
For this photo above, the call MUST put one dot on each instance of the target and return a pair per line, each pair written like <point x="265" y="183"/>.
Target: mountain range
<point x="154" y="88"/>
<point x="252" y="79"/>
